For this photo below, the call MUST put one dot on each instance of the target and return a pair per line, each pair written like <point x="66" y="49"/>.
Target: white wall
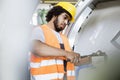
<point x="100" y="28"/>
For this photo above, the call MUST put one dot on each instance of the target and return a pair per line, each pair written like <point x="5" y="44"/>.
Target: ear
<point x="54" y="17"/>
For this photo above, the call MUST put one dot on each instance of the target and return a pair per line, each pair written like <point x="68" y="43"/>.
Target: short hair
<point x="56" y="11"/>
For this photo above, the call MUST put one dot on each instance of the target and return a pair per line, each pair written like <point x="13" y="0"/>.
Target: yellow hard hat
<point x="68" y="7"/>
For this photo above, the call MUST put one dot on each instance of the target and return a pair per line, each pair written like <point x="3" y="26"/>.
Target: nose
<point x="66" y="22"/>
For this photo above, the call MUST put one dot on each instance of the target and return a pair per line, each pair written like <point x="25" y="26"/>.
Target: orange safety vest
<point x="51" y="68"/>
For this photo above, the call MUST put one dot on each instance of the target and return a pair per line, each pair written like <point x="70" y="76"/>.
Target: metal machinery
<point x="96" y="31"/>
<point x="90" y="26"/>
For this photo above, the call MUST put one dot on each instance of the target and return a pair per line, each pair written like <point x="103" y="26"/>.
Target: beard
<point x="57" y="28"/>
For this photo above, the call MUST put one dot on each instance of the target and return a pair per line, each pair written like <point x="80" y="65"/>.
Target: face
<point x="61" y="21"/>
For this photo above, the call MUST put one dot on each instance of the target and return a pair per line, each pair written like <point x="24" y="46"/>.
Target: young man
<point x="52" y="58"/>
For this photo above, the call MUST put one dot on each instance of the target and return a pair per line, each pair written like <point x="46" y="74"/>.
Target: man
<point x="52" y="58"/>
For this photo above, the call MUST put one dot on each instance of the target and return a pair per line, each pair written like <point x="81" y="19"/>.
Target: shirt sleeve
<point x="37" y="34"/>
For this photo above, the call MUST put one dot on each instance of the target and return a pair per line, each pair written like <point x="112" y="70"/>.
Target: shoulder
<point x="37" y="34"/>
<point x="37" y="29"/>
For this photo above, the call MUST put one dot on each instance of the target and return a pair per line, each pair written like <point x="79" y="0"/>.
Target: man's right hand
<point x="73" y="57"/>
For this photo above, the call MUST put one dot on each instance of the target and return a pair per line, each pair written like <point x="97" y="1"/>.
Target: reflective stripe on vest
<point x="51" y="68"/>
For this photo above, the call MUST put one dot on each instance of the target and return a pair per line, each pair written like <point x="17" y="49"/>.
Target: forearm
<point x="84" y="60"/>
<point x="41" y="49"/>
